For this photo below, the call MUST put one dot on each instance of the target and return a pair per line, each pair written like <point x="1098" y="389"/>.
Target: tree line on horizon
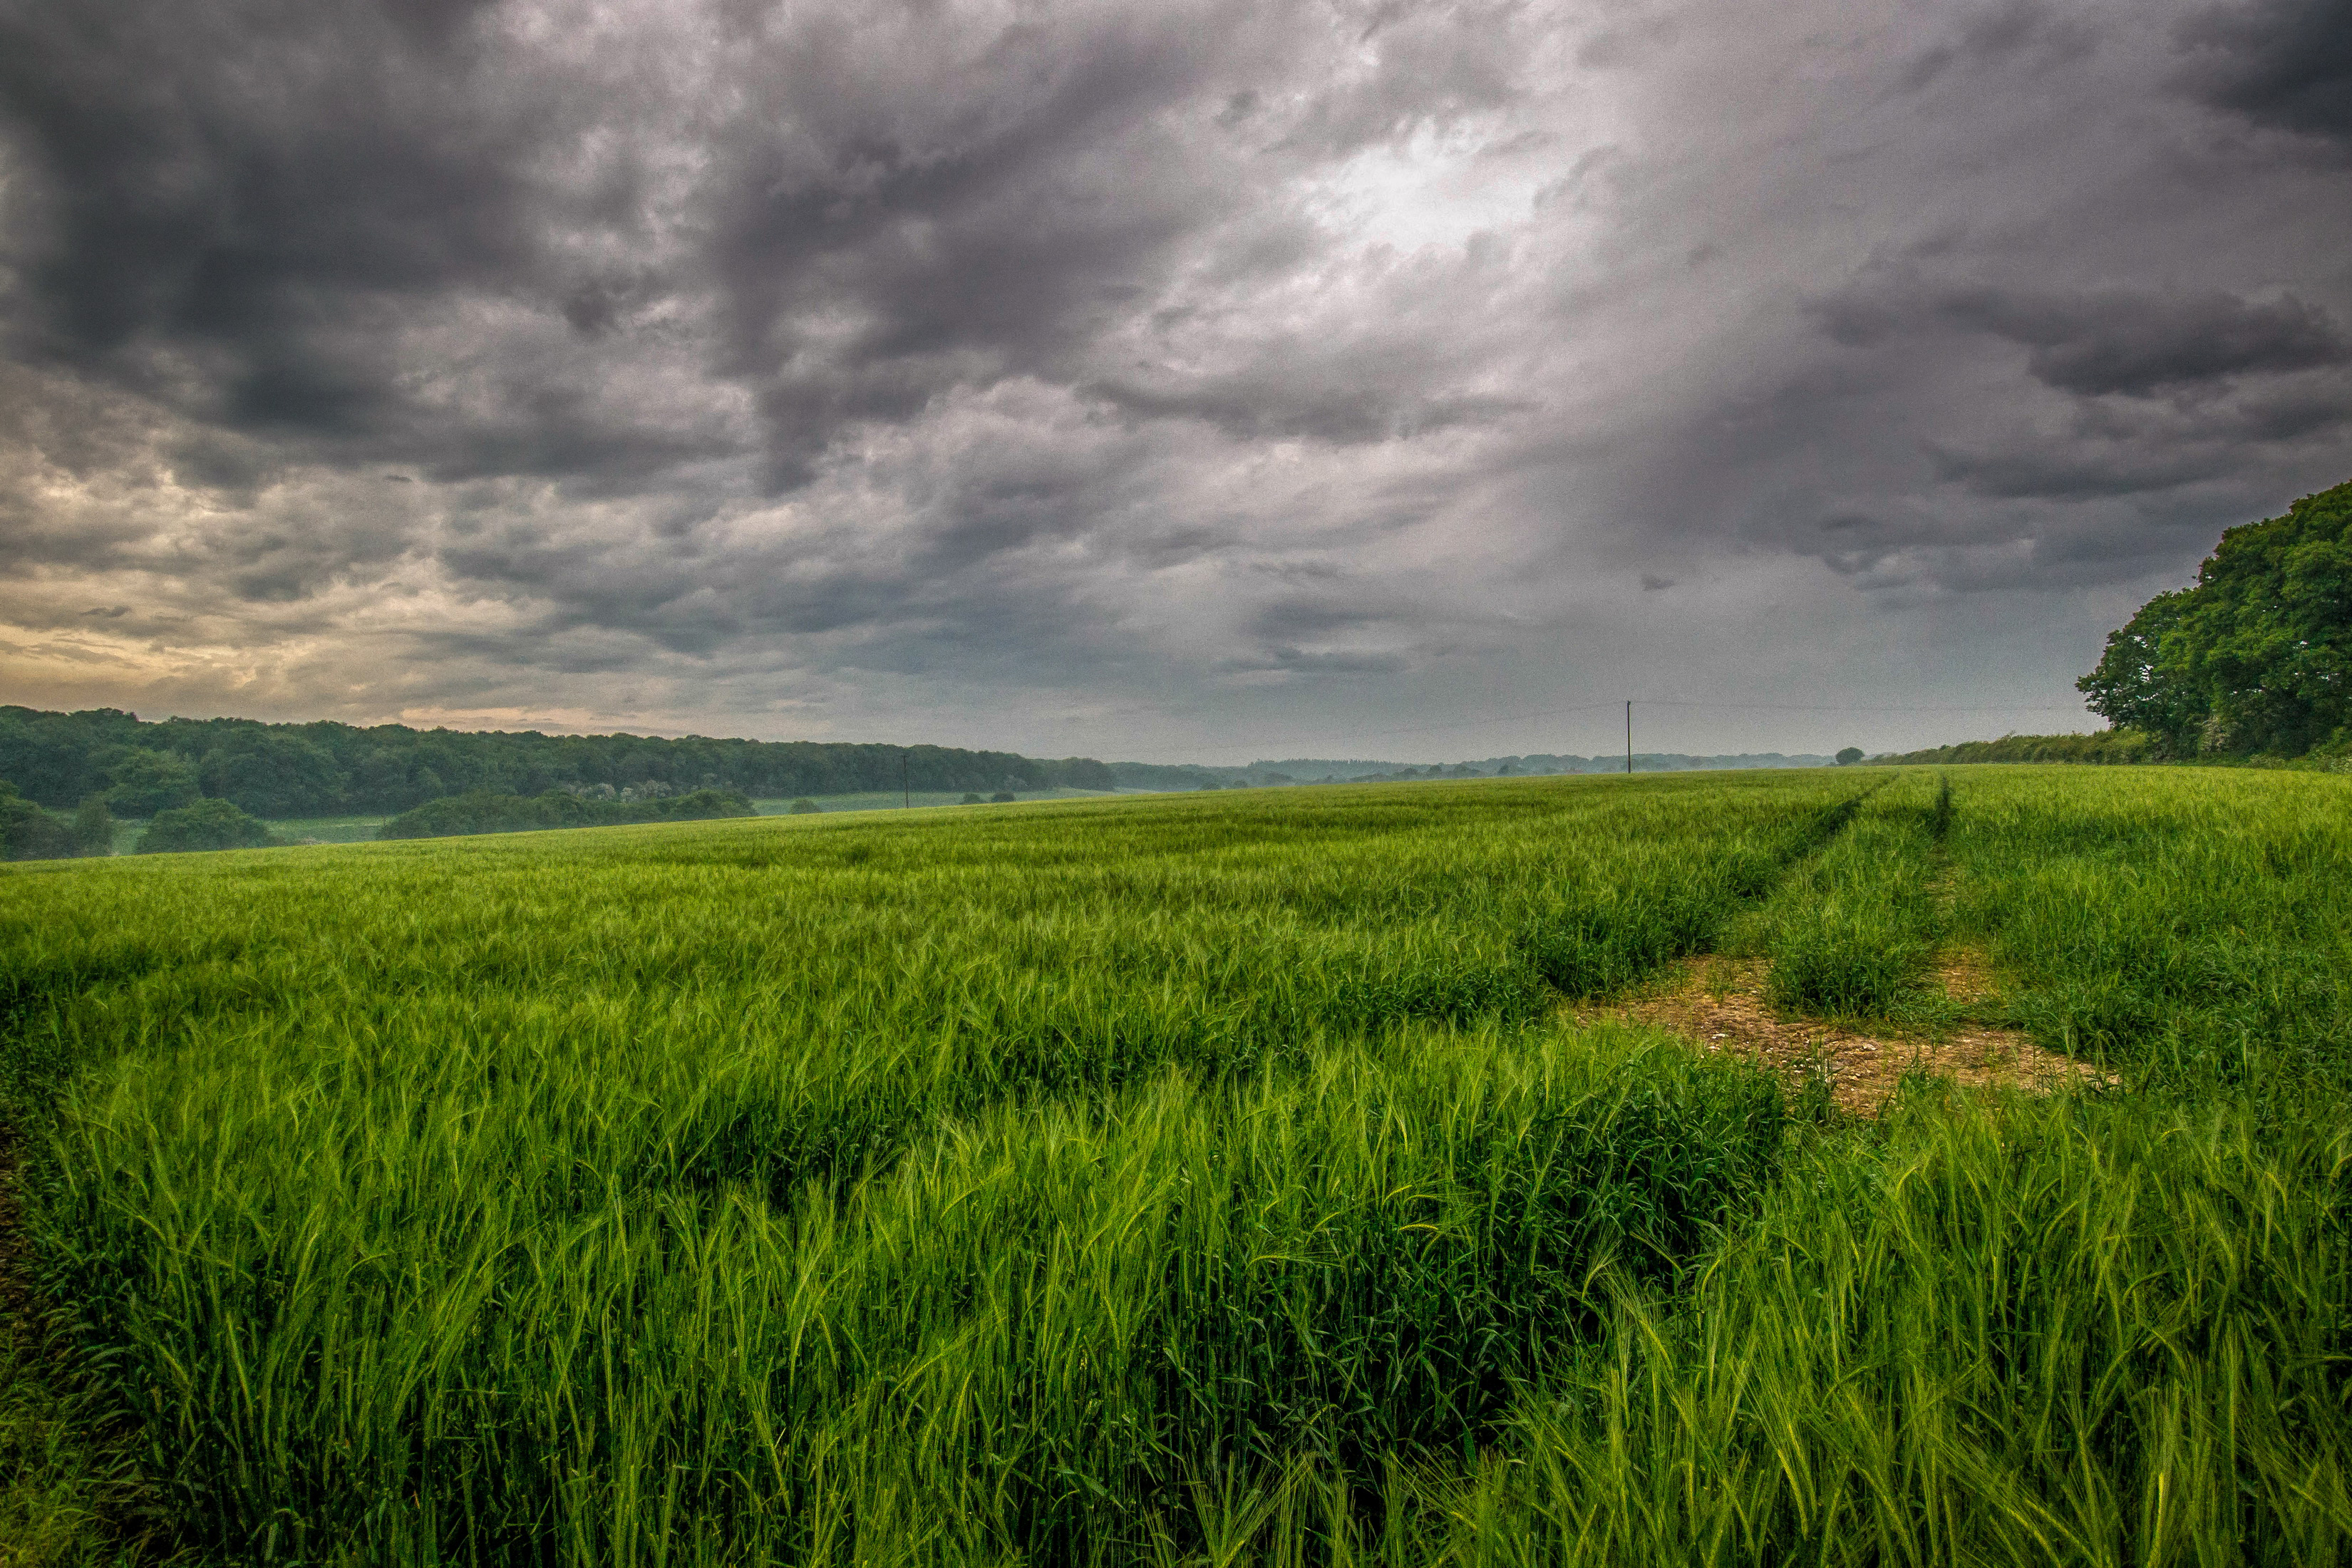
<point x="2253" y="661"/>
<point x="138" y="768"/>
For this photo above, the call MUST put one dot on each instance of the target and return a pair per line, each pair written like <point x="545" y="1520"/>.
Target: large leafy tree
<point x="2268" y="632"/>
<point x="2256" y="657"/>
<point x="2134" y="689"/>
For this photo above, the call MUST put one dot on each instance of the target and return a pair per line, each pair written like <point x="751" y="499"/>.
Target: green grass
<point x="1849" y="935"/>
<point x="1207" y="1177"/>
<point x="294" y="829"/>
<point x="2074" y="1332"/>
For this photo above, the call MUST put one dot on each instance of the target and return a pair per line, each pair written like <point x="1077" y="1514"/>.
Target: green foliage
<point x="2135" y="689"/>
<point x="93" y="827"/>
<point x="804" y="807"/>
<point x="1844" y="960"/>
<point x="206" y="824"/>
<point x="1659" y="907"/>
<point x="28" y="833"/>
<point x="483" y="812"/>
<point x="1849" y="756"/>
<point x="1001" y="798"/>
<point x="140" y="782"/>
<point x="2195" y="932"/>
<point x="2256" y="659"/>
<point x="972" y="797"/>
<point x="2268" y="630"/>
<point x="2102" y="746"/>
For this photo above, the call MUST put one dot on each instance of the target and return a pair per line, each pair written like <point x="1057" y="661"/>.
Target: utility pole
<point x="1629" y="737"/>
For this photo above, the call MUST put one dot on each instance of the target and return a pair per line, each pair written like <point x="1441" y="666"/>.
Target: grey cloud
<point x="2284" y="64"/>
<point x="2028" y="32"/>
<point x="1322" y="662"/>
<point x="219" y="460"/>
<point x="940" y="368"/>
<point x="2096" y="341"/>
<point x="2121" y="451"/>
<point x="1339" y="411"/>
<point x="2063" y="470"/>
<point x="2121" y="340"/>
<point x="179" y="199"/>
<point x="1284" y="619"/>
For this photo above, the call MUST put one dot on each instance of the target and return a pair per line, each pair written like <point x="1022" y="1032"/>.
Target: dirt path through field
<point x="1719" y="1004"/>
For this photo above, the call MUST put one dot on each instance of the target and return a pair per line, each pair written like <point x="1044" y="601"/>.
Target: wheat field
<point x="1209" y="1179"/>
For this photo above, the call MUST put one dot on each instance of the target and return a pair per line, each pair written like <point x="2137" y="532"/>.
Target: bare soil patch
<point x="1717" y="1003"/>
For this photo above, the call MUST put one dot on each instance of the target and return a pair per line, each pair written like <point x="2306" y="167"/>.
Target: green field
<point x="893" y="800"/>
<point x="362" y="828"/>
<point x="1202" y="1179"/>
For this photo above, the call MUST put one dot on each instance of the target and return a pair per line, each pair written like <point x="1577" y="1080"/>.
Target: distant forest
<point x="323" y="769"/>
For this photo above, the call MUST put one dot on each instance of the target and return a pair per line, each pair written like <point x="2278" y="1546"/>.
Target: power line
<point x="1497" y="719"/>
<point x="1866" y="708"/>
<point x="1693" y="702"/>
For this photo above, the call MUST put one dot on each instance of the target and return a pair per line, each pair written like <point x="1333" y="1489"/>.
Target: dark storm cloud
<point x="2158" y="388"/>
<point x="2117" y="340"/>
<point x="897" y="363"/>
<point x="2284" y="64"/>
<point x="2093" y="342"/>
<point x="245" y="177"/>
<point x="2119" y="450"/>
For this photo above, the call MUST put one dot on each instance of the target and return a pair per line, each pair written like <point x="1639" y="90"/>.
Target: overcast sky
<point x="1171" y="380"/>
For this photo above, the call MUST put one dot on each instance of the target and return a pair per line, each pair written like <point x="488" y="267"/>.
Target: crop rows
<point x="1203" y="1178"/>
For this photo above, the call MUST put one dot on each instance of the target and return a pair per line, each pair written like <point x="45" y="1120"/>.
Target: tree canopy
<point x="2256" y="657"/>
<point x="204" y="825"/>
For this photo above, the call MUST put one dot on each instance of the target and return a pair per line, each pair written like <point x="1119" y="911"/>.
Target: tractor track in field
<point x="1719" y="1004"/>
